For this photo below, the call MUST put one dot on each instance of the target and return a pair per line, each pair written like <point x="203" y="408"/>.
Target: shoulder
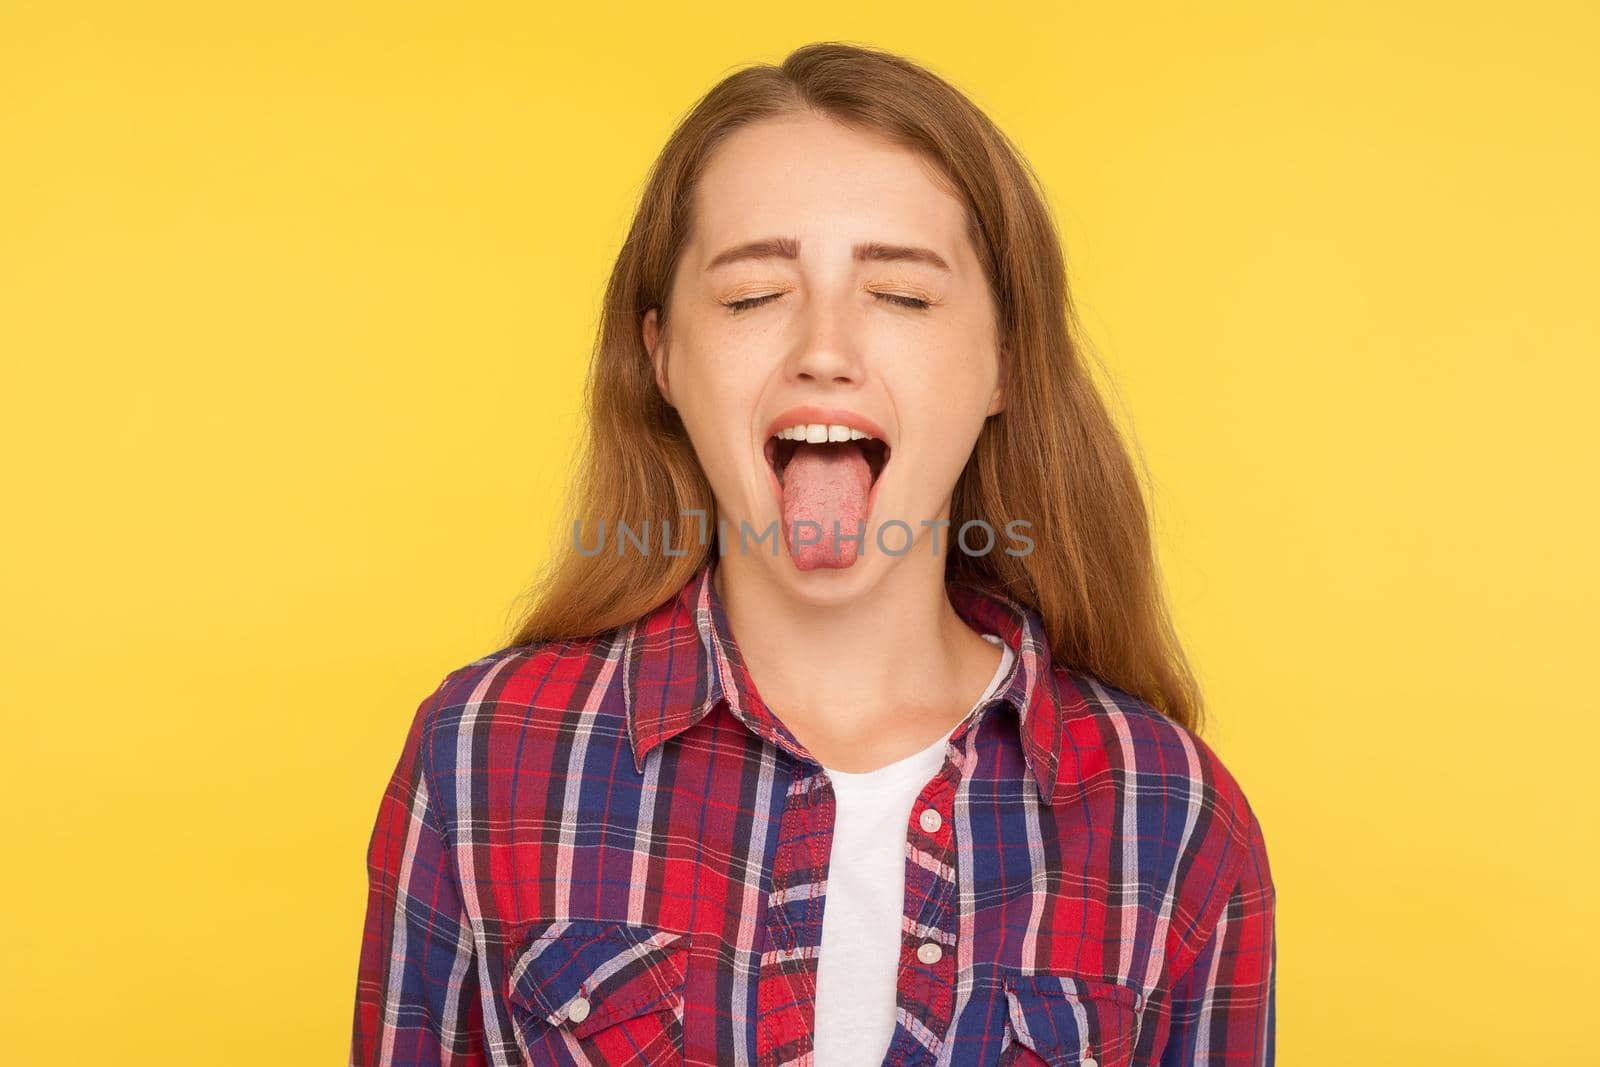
<point x="518" y="679"/>
<point x="482" y="714"/>
<point x="1154" y="759"/>
<point x="1181" y="806"/>
<point x="1149" y="748"/>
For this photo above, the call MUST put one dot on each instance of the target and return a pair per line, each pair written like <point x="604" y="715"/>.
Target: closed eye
<point x="894" y="298"/>
<point x="750" y="302"/>
<point x="906" y="301"/>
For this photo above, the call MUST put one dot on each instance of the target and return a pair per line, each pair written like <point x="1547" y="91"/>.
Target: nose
<point x="825" y="352"/>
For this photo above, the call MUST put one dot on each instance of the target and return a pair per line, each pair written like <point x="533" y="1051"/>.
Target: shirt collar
<point x="680" y="659"/>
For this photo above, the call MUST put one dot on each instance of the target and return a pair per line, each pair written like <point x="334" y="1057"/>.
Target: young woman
<point x="850" y="727"/>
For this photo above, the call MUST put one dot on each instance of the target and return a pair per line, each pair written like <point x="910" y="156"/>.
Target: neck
<point x="875" y="671"/>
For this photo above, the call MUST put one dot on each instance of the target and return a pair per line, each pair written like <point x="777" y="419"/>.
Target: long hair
<point x="1053" y="456"/>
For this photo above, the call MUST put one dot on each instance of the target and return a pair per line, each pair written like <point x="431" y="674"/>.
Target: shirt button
<point x="930" y="819"/>
<point x="1090" y="1061"/>
<point x="929" y="952"/>
<point x="578" y="1010"/>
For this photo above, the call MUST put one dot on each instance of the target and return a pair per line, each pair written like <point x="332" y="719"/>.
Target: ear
<point x="997" y="400"/>
<point x="651" y="328"/>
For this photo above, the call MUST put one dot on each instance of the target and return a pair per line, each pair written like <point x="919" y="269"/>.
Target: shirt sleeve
<point x="1224" y="1007"/>
<point x="416" y="999"/>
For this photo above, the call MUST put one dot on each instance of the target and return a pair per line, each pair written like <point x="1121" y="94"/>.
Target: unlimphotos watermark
<point x="975" y="537"/>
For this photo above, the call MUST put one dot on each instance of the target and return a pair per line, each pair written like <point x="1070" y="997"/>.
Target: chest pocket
<point x="589" y="990"/>
<point x="1069" y="1022"/>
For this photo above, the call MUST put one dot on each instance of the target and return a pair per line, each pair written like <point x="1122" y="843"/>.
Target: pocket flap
<point x="1074" y="1021"/>
<point x="587" y="974"/>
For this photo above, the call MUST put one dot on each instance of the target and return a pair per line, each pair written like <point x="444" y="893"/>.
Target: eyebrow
<point x="789" y="248"/>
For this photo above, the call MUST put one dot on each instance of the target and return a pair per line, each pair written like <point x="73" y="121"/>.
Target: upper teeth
<point x="818" y="432"/>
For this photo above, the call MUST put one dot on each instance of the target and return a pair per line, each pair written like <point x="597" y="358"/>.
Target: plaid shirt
<point x="608" y="850"/>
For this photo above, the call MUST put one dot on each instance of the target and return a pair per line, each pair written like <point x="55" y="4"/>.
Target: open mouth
<point x="780" y="449"/>
<point x="825" y="478"/>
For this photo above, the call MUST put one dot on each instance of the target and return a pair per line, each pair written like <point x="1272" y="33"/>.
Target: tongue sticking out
<point x="825" y="484"/>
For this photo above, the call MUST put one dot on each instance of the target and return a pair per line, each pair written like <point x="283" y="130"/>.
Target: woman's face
<point x="828" y="281"/>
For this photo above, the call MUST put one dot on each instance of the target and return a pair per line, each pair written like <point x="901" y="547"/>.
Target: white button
<point x="930" y="819"/>
<point x="1090" y="1061"/>
<point x="929" y="952"/>
<point x="578" y="1010"/>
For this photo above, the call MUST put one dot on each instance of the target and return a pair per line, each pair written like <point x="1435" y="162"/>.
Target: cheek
<point x="954" y="385"/>
<point x="697" y="382"/>
<point x="947" y="400"/>
<point x="715" y="397"/>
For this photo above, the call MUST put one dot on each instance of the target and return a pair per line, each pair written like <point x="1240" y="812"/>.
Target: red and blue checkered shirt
<point x="608" y="850"/>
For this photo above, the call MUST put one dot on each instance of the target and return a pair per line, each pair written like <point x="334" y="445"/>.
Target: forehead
<point x="809" y="177"/>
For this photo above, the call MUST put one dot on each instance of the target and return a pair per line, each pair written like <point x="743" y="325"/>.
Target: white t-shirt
<point x="861" y="918"/>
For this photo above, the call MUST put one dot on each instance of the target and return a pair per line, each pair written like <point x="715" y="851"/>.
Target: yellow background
<point x="295" y="304"/>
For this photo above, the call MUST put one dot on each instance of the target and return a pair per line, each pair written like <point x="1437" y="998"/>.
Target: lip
<point x="832" y="416"/>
